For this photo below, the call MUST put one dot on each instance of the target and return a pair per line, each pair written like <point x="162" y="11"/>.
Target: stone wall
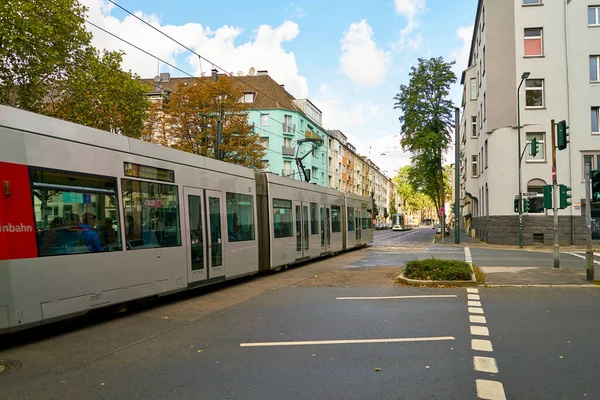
<point x="505" y="229"/>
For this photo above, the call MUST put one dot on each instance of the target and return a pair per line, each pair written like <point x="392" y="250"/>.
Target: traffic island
<point x="434" y="272"/>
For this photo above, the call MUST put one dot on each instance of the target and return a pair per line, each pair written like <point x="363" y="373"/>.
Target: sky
<point x="348" y="57"/>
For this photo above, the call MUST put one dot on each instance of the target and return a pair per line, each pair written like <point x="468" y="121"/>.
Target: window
<point x="240" y="217"/>
<point x="287" y="168"/>
<point x="594" y="68"/>
<point x="314" y="152"/>
<point x="473" y="88"/>
<point x="481" y="161"/>
<point x="369" y="219"/>
<point x="484" y="106"/>
<point x="287" y="142"/>
<point x="486" y="153"/>
<point x="531" y="2"/>
<point x="314" y="222"/>
<point x="336" y="219"/>
<point x="533" y="42"/>
<point x="282" y="218"/>
<point x="265" y="165"/>
<point x="594" y="15"/>
<point x="482" y="18"/>
<point x="595" y="119"/>
<point x="264" y="119"/>
<point x="473" y="126"/>
<point x="534" y="93"/>
<point x="152" y="214"/>
<point x="314" y="173"/>
<point x="75" y="213"/>
<point x="483" y="60"/>
<point x="265" y="142"/>
<point x="351" y="218"/>
<point x="541" y="155"/>
<point x="248" y="97"/>
<point x="474" y="166"/>
<point x="287" y="124"/>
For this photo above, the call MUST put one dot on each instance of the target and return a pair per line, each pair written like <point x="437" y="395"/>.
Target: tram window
<point x="151" y="214"/>
<point x="240" y="217"/>
<point x="314" y="222"/>
<point x="369" y="219"/>
<point x="336" y="219"/>
<point x="282" y="218"/>
<point x="74" y="213"/>
<point x="350" y="219"/>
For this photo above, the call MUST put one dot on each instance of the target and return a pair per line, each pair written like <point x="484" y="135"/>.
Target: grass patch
<point x="433" y="269"/>
<point x="480" y="276"/>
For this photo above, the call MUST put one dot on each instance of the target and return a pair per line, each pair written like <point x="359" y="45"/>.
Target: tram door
<point x="204" y="239"/>
<point x="325" y="227"/>
<point x="301" y="218"/>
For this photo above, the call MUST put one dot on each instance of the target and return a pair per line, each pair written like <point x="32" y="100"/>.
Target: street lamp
<point x="524" y="76"/>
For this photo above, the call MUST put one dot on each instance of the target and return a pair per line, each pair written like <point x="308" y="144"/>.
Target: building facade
<point x="548" y="52"/>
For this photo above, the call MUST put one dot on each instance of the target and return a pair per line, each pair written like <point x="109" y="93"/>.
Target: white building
<point x="558" y="44"/>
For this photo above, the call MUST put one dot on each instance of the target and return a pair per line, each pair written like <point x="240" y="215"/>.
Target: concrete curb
<point x="472" y="282"/>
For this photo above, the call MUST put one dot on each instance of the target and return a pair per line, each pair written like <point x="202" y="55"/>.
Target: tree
<point x="102" y="96"/>
<point x="41" y="43"/>
<point x="375" y="209"/>
<point x="192" y="115"/>
<point x="393" y="205"/>
<point x="427" y="123"/>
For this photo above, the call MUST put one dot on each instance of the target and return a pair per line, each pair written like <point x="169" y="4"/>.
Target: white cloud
<point x="361" y="60"/>
<point x="461" y="55"/>
<point x="411" y="9"/>
<point x="263" y="51"/>
<point x="366" y="125"/>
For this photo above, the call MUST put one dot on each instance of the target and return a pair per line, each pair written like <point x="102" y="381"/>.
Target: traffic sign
<point x="530" y="194"/>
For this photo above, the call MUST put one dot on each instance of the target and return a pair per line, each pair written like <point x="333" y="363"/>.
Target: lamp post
<point x="524" y="76"/>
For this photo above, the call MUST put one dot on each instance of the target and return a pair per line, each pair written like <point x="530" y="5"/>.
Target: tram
<point x="398" y="222"/>
<point x="90" y="219"/>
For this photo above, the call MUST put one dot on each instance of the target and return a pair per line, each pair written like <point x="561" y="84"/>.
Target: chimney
<point x="282" y="86"/>
<point x="165" y="77"/>
<point x="214" y="74"/>
<point x="263" y="72"/>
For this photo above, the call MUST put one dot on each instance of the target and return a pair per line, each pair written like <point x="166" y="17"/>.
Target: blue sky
<point x="347" y="57"/>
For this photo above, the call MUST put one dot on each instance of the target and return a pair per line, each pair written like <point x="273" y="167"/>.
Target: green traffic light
<point x="595" y="178"/>
<point x="534" y="147"/>
<point x="562" y="132"/>
<point x="565" y="196"/>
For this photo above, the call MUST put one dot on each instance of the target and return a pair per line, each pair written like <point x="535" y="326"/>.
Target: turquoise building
<point x="281" y="120"/>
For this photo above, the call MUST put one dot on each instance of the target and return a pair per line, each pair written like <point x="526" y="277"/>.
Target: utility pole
<point x="589" y="252"/>
<point x="457" y="176"/>
<point x="555" y="196"/>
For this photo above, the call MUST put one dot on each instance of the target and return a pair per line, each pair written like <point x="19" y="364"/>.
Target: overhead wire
<point x="198" y="55"/>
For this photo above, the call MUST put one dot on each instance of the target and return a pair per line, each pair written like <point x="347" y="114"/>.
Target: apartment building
<point x="548" y="51"/>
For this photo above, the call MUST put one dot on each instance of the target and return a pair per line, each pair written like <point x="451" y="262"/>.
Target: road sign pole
<point x="555" y="197"/>
<point x="589" y="252"/>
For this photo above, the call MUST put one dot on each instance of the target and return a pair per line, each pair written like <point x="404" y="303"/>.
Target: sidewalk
<point x="535" y="276"/>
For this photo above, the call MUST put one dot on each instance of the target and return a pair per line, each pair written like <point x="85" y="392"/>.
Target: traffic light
<point x="595" y="178"/>
<point x="534" y="147"/>
<point x="562" y="135"/>
<point x="548" y="197"/>
<point x="517" y="205"/>
<point x="526" y="205"/>
<point x="565" y="195"/>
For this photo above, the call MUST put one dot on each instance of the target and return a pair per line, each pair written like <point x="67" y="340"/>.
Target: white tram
<point x="89" y="219"/>
<point x="398" y="222"/>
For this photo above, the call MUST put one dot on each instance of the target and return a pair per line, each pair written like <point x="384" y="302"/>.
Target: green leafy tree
<point x="375" y="209"/>
<point x="41" y="43"/>
<point x="427" y="123"/>
<point x="102" y="96"/>
<point x="393" y="209"/>
<point x="192" y="116"/>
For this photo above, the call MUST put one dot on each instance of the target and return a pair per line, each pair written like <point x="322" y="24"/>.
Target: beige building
<point x="550" y="49"/>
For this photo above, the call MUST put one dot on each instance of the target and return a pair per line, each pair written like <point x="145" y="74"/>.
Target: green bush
<point x="433" y="269"/>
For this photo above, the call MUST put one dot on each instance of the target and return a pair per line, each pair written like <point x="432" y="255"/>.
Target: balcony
<point x="287" y="151"/>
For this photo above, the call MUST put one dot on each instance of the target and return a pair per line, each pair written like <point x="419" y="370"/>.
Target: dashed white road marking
<point x="477" y="319"/>
<point x="480" y="330"/>
<point x="357" y="341"/>
<point x="490" y="390"/>
<point x="472" y="290"/>
<point x="580" y="256"/>
<point x="481" y="345"/>
<point x="473" y="297"/>
<point x="399" y="297"/>
<point x="474" y="303"/>
<point x="468" y="258"/>
<point x="476" y="310"/>
<point x="485" y="364"/>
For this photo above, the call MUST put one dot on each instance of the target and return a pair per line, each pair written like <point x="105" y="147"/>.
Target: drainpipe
<point x="566" y="6"/>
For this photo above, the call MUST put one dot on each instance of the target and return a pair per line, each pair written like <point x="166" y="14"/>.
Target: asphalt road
<point x="267" y="338"/>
